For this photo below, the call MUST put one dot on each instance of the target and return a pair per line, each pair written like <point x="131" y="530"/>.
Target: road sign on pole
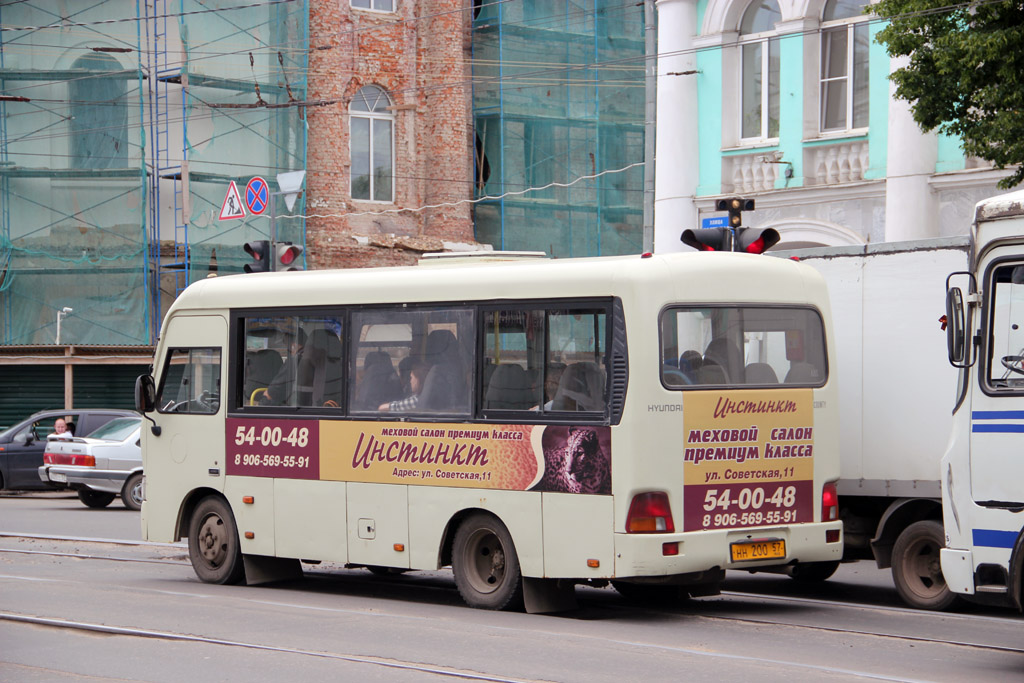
<point x="232" y="206"/>
<point x="257" y="196"/>
<point x="715" y="222"/>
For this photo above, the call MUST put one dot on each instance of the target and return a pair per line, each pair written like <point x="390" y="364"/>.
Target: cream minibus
<point x="645" y="421"/>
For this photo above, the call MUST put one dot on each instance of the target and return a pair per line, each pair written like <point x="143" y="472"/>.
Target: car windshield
<point x="118" y="429"/>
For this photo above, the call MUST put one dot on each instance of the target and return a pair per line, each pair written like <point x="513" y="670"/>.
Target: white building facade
<point x="788" y="102"/>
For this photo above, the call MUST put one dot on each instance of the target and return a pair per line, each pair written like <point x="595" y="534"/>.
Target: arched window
<point x="760" y="71"/>
<point x="99" y="115"/>
<point x="844" y="66"/>
<point x="371" y="127"/>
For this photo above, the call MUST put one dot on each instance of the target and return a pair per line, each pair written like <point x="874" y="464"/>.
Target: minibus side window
<point x="293" y="361"/>
<point x="412" y="361"/>
<point x="191" y="382"/>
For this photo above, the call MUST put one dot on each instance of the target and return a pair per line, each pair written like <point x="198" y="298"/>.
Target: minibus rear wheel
<point x="485" y="564"/>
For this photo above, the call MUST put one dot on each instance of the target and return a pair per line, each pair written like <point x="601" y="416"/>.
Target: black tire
<point x="131" y="494"/>
<point x="95" y="499"/>
<point x="213" y="545"/>
<point x="915" y="566"/>
<point x="485" y="564"/>
<point x="812" y="572"/>
<point x="651" y="594"/>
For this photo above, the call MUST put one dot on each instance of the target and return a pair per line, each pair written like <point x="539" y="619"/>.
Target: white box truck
<point x="896" y="397"/>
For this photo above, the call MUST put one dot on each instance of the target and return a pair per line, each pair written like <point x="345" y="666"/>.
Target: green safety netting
<point x="116" y="156"/>
<point x="72" y="184"/>
<point x="559" y="95"/>
<point x="228" y="138"/>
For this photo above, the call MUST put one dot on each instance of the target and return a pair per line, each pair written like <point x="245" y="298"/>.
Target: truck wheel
<point x="915" y="566"/>
<point x="213" y="544"/>
<point x="131" y="494"/>
<point x="812" y="572"/>
<point x="485" y="564"/>
<point x="95" y="499"/>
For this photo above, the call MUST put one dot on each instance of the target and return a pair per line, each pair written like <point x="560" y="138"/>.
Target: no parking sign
<point x="257" y="196"/>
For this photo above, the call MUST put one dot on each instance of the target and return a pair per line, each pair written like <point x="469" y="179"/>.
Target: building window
<point x="844" y="66"/>
<point x="99" y="115"/>
<point x="379" y="5"/>
<point x="760" y="71"/>
<point x="372" y="143"/>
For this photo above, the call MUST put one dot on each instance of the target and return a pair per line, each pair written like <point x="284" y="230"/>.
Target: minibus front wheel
<point x="213" y="545"/>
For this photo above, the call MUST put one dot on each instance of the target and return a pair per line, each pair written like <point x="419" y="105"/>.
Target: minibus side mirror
<point x="145" y="394"/>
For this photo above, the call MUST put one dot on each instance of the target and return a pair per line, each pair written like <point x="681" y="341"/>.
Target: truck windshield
<point x="742" y="346"/>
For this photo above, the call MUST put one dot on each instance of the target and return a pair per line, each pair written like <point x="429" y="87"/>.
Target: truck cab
<point x="983" y="468"/>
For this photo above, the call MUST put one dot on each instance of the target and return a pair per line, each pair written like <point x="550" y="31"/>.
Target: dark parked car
<point x="21" y="446"/>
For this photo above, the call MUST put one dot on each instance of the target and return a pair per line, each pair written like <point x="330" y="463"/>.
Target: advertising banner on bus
<point x="556" y="458"/>
<point x="748" y="458"/>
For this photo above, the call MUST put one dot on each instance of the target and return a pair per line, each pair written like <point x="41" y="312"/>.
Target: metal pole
<point x="273" y="229"/>
<point x="650" y="119"/>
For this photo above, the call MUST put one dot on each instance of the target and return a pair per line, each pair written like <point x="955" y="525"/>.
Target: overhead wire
<point x="521" y="79"/>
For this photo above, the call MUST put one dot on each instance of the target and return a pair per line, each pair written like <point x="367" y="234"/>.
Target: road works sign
<point x="232" y="206"/>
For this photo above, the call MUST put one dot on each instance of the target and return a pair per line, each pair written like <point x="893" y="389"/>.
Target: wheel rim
<point x="922" y="569"/>
<point x="212" y="541"/>
<point x="484" y="560"/>
<point x="136" y="493"/>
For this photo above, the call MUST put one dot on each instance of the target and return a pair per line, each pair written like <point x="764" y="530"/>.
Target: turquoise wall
<point x="878" y="108"/>
<point x="709" y="121"/>
<point x="791" y="110"/>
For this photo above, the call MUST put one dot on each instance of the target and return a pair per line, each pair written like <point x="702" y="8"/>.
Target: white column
<point x="911" y="208"/>
<point x="676" y="153"/>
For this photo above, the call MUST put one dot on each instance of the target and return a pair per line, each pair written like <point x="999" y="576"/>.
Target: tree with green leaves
<point x="965" y="75"/>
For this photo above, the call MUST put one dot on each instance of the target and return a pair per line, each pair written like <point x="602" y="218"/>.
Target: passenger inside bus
<point x="445" y="388"/>
<point x="379" y="383"/>
<point x="320" y="370"/>
<point x="282" y="390"/>
<point x="418" y="372"/>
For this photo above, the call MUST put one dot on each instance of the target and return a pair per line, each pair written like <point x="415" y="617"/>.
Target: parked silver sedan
<point x="101" y="466"/>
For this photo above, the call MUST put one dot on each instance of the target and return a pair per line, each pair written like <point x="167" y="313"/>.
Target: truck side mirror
<point x="955" y="327"/>
<point x="145" y="394"/>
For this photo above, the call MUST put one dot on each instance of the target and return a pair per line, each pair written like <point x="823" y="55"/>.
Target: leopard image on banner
<point x="576" y="460"/>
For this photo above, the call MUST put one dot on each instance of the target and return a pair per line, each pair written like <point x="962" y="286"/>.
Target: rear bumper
<point x="109" y="481"/>
<point x="702" y="550"/>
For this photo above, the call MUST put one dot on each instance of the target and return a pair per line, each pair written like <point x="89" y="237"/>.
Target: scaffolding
<point x="117" y="143"/>
<point x="558" y="96"/>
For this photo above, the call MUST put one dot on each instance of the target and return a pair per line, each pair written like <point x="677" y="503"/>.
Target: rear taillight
<point x="649" y="513"/>
<point x="69" y="459"/>
<point x="829" y="503"/>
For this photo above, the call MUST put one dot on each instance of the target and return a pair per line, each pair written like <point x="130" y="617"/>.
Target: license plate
<point x="758" y="550"/>
<point x="59" y="477"/>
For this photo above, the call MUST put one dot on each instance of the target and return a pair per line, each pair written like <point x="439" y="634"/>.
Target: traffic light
<point x="259" y="251"/>
<point x="735" y="206"/>
<point x="708" y="239"/>
<point x="288" y="256"/>
<point x="755" y="240"/>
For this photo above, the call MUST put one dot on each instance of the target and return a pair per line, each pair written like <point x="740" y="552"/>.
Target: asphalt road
<point x="74" y="610"/>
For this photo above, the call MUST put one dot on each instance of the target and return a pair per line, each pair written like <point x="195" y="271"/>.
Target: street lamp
<point x="61" y="314"/>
